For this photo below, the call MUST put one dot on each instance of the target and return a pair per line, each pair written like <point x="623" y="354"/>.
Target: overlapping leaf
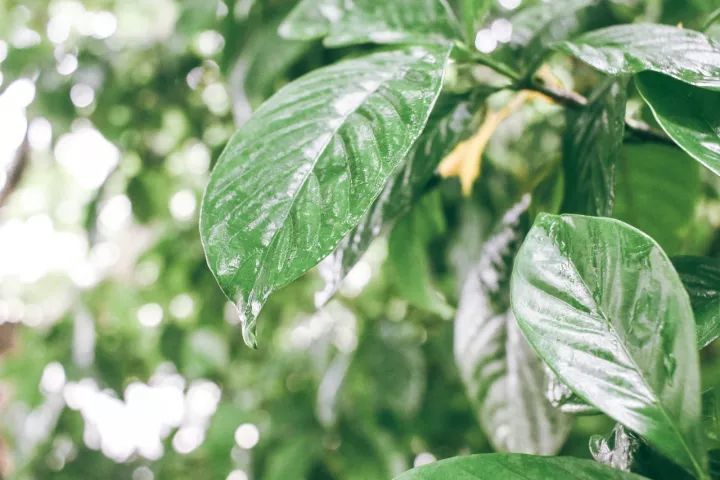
<point x="451" y="120"/>
<point x="302" y="172"/>
<point x="701" y="277"/>
<point x="603" y="306"/>
<point x="591" y="148"/>
<point x="504" y="378"/>
<point x="536" y="28"/>
<point x="369" y="21"/>
<point x="516" y="467"/>
<point x="689" y="115"/>
<point x="623" y="49"/>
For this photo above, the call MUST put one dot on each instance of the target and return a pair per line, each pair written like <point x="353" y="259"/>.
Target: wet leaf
<point x="701" y="277"/>
<point x="689" y="115"/>
<point x="603" y="306"/>
<point x="370" y="21"/>
<point x="591" y="148"/>
<point x="504" y="378"/>
<point x="302" y="172"/>
<point x="399" y="21"/>
<point x="622" y="49"/>
<point x="516" y="467"/>
<point x="657" y="190"/>
<point x="451" y="120"/>
<point x="536" y="28"/>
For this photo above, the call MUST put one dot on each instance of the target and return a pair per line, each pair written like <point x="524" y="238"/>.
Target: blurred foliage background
<point x="120" y="357"/>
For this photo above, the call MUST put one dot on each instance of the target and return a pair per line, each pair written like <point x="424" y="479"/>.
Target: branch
<point x="571" y="99"/>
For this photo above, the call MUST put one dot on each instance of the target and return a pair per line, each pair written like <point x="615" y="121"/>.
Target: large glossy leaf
<point x="369" y="21"/>
<point x="603" y="306"/>
<point x="701" y="277"/>
<point x="504" y="378"/>
<point x="451" y="120"/>
<point x="536" y="28"/>
<point x="683" y="54"/>
<point x="591" y="148"/>
<point x="399" y="21"/>
<point x="689" y="115"/>
<point x="657" y="190"/>
<point x="302" y="172"/>
<point x="516" y="467"/>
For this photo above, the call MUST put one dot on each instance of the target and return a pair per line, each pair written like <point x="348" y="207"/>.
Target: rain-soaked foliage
<point x="334" y="239"/>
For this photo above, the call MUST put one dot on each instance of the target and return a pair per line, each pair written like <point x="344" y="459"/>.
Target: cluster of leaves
<point x="339" y="167"/>
<point x="588" y="307"/>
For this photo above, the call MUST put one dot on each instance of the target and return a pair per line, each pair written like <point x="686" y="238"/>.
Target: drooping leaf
<point x="701" y="277"/>
<point x="451" y="120"/>
<point x="368" y="21"/>
<point x="536" y="28"/>
<point x="302" y="172"/>
<point x="622" y="49"/>
<point x="399" y="21"/>
<point x="515" y="467"/>
<point x="689" y="115"/>
<point x="657" y="189"/>
<point x="603" y="306"/>
<point x="591" y="148"/>
<point x="504" y="378"/>
<point x="408" y="257"/>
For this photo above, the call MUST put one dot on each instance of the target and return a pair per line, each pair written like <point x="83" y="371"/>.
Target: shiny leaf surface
<point x="701" y="277"/>
<point x="603" y="306"/>
<point x="369" y="21"/>
<point x="504" y="378"/>
<point x="591" y="149"/>
<point x="689" y="115"/>
<point x="681" y="53"/>
<point x="302" y="172"/>
<point x="451" y="120"/>
<point x="516" y="467"/>
<point x="536" y="28"/>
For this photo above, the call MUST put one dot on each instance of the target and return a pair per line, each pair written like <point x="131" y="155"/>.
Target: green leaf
<point x="701" y="277"/>
<point x="399" y="21"/>
<point x="603" y="306"/>
<point x="515" y="467"/>
<point x="536" y="28"/>
<point x="504" y="378"/>
<point x="689" y="115"/>
<point x="268" y="57"/>
<point x="370" y="21"/>
<point x="408" y="255"/>
<point x="452" y="119"/>
<point x="561" y="397"/>
<point x="657" y="190"/>
<point x="621" y="49"/>
<point x="711" y="415"/>
<point x="310" y="19"/>
<point x="472" y="14"/>
<point x="591" y="148"/>
<point x="302" y="172"/>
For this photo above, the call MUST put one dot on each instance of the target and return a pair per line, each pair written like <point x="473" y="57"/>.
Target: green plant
<point x="587" y="305"/>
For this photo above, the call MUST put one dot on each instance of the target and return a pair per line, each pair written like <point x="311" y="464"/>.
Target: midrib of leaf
<point x="656" y="401"/>
<point x="249" y="323"/>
